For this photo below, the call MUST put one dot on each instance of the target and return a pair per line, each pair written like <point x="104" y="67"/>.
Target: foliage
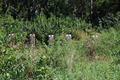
<point x="109" y="41"/>
<point x="80" y="58"/>
<point x="43" y="27"/>
<point x="29" y="10"/>
<point x="42" y="68"/>
<point x="111" y="21"/>
<point x="17" y="65"/>
<point x="64" y="60"/>
<point x="11" y="67"/>
<point x="10" y="26"/>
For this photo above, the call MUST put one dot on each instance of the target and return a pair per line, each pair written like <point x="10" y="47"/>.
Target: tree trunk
<point x="29" y="13"/>
<point x="82" y="10"/>
<point x="91" y="14"/>
<point x="74" y="11"/>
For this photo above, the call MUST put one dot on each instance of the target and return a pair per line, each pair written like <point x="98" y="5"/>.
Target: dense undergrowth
<point x="82" y="58"/>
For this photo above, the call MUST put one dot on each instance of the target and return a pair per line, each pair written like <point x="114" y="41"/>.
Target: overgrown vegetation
<point x="81" y="58"/>
<point x="65" y="60"/>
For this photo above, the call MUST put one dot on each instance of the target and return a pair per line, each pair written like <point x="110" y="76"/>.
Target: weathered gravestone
<point x="69" y="37"/>
<point x="32" y="39"/>
<point x="94" y="37"/>
<point x="12" y="42"/>
<point x="51" y="38"/>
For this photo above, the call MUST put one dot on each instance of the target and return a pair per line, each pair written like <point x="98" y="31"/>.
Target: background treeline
<point x="44" y="17"/>
<point x="94" y="11"/>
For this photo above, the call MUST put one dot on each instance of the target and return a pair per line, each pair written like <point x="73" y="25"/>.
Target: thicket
<point x="80" y="58"/>
<point x="42" y="26"/>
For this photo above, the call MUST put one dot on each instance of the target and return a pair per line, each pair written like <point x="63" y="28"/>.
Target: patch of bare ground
<point x="92" y="57"/>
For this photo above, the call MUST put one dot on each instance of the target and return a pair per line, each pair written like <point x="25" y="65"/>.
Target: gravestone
<point x="69" y="37"/>
<point x="51" y="38"/>
<point x="12" y="39"/>
<point x="94" y="37"/>
<point x="32" y="39"/>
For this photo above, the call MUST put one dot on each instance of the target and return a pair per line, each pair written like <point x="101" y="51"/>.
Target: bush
<point x="43" y="27"/>
<point x="109" y="42"/>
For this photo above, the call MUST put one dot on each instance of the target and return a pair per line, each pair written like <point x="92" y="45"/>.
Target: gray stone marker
<point x="12" y="41"/>
<point x="94" y="37"/>
<point x="69" y="37"/>
<point x="51" y="38"/>
<point x="32" y="39"/>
